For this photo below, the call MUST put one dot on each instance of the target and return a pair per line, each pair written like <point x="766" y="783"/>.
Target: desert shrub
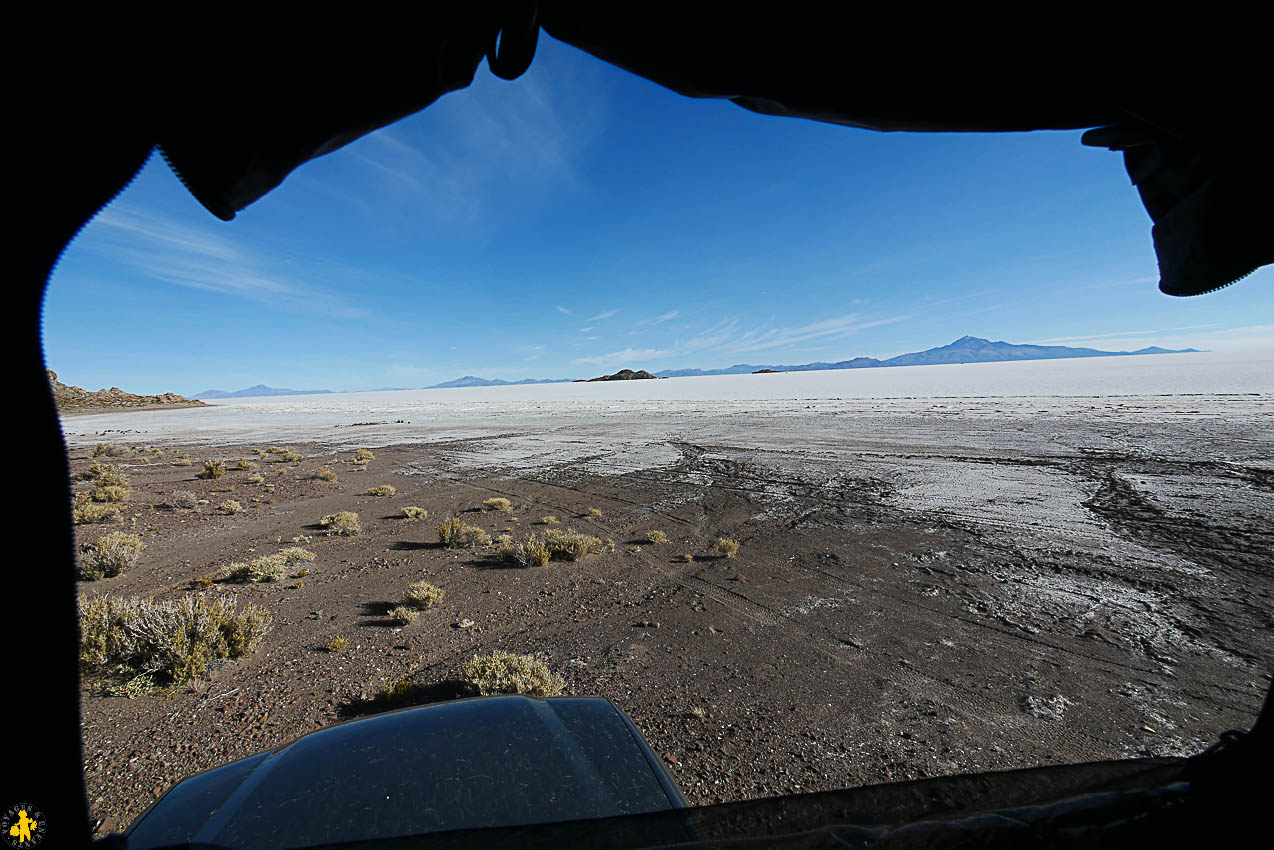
<point x="104" y="475"/>
<point x="506" y="673"/>
<point x="413" y="512"/>
<point x="268" y="568"/>
<point x="690" y="559"/>
<point x="404" y="615"/>
<point x="549" y="520"/>
<point x="84" y="511"/>
<point x="183" y="500"/>
<point x="110" y="556"/>
<point x="337" y="644"/>
<point x="212" y="469"/>
<point x="325" y="473"/>
<point x="261" y="453"/>
<point x="383" y="490"/>
<point x="110" y="493"/>
<point x="532" y="552"/>
<point x="229" y="507"/>
<point x="246" y="465"/>
<point x="595" y="513"/>
<point x="497" y="504"/>
<point x="184" y="460"/>
<point x="396" y="693"/>
<point x="108" y="450"/>
<point x="656" y="537"/>
<point x="363" y="456"/>
<point x="289" y="456"/>
<point x="171" y="639"/>
<point x="342" y="523"/>
<point x="572" y="545"/>
<point x="255" y="478"/>
<point x="455" y="532"/>
<point x="726" y="546"/>
<point x="422" y="595"/>
<point x="296" y="553"/>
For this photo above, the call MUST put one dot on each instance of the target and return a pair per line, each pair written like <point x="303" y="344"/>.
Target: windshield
<point x="830" y="457"/>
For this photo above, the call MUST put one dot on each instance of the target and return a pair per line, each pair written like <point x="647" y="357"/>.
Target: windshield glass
<point x="830" y="457"/>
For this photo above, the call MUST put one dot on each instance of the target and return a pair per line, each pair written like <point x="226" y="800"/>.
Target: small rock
<point x="465" y="623"/>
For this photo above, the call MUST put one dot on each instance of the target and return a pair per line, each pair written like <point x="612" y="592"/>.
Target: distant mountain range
<point x="258" y="390"/>
<point x="966" y="349"/>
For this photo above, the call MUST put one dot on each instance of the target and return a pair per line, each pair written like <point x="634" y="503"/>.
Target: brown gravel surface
<point x="849" y="641"/>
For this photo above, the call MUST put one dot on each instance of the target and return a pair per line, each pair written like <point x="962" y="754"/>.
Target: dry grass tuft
<point x="404" y="615"/>
<point x="230" y="507"/>
<point x="532" y="552"/>
<point x="246" y="465"/>
<point x="84" y="511"/>
<point x="104" y="475"/>
<point x="656" y="537"/>
<point x="110" y="493"/>
<point x="455" y="532"/>
<point x="413" y="512"/>
<point x="595" y="513"/>
<point x="422" y="595"/>
<point x="212" y="469"/>
<point x="325" y="473"/>
<point x="573" y="545"/>
<point x="363" y="456"/>
<point x="255" y="478"/>
<point x="383" y="490"/>
<point x="549" y="520"/>
<point x="110" y="556"/>
<point x="506" y="673"/>
<point x="497" y="504"/>
<point x="108" y="450"/>
<point x="183" y="500"/>
<point x="726" y="546"/>
<point x="342" y="524"/>
<point x="268" y="568"/>
<point x="174" y="639"/>
<point x="337" y="644"/>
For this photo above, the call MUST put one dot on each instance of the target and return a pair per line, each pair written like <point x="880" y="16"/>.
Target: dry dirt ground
<point x="892" y="612"/>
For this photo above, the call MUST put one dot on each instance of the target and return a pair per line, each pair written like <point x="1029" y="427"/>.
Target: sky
<point x="580" y="220"/>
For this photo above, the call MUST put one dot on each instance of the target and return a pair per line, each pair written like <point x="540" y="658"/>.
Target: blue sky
<point x="580" y="220"/>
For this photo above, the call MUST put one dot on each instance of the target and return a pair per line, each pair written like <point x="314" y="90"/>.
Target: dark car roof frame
<point x="235" y="110"/>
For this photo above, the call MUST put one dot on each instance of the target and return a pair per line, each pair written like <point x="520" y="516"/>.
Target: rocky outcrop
<point x="75" y="400"/>
<point x="626" y="375"/>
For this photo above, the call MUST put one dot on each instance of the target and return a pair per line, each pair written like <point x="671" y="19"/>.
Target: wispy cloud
<point x="729" y="336"/>
<point x="182" y="255"/>
<point x="462" y="159"/>
<point x="671" y="314"/>
<point x="1209" y="336"/>
<point x="1123" y="334"/>
<point x="602" y="316"/>
<point x="563" y="310"/>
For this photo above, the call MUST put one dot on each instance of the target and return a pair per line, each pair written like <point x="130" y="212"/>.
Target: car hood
<point x="485" y="762"/>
